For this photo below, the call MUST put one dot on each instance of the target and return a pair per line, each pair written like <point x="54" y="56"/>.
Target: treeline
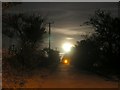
<point x="30" y="30"/>
<point x="100" y="51"/>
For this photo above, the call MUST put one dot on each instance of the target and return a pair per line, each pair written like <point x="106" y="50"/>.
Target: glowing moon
<point x="67" y="47"/>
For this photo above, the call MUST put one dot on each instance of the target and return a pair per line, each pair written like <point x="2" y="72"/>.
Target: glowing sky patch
<point x="67" y="47"/>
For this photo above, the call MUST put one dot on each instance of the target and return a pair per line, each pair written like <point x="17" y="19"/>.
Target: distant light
<point x="65" y="61"/>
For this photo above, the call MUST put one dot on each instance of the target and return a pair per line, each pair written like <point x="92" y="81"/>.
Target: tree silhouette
<point x="86" y="53"/>
<point x="29" y="28"/>
<point x="101" y="49"/>
<point x="107" y="29"/>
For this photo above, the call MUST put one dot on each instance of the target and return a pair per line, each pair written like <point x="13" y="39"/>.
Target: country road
<point x="65" y="77"/>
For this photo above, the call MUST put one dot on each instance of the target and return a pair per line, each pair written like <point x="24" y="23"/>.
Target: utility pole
<point x="119" y="9"/>
<point x="119" y="18"/>
<point x="49" y="35"/>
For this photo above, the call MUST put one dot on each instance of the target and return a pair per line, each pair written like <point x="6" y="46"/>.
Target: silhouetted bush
<point x="30" y="60"/>
<point x="86" y="53"/>
<point x="53" y="57"/>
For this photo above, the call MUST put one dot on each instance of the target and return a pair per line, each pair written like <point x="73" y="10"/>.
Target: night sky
<point x="67" y="18"/>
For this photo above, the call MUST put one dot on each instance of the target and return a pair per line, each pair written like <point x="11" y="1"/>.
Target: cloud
<point x="65" y="31"/>
<point x="69" y="38"/>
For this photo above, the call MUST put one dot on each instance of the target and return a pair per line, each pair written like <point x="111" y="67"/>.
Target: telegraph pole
<point x="49" y="35"/>
<point x="119" y="9"/>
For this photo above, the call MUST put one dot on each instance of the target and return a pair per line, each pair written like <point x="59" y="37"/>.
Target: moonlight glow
<point x="67" y="47"/>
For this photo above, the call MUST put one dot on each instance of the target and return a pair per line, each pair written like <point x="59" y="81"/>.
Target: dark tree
<point x="107" y="28"/>
<point x="86" y="52"/>
<point x="101" y="49"/>
<point x="29" y="28"/>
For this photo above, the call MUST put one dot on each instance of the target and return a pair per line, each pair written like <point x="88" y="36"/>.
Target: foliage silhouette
<point x="101" y="50"/>
<point x="30" y="30"/>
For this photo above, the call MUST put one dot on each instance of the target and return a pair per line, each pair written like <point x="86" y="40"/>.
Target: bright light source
<point x="65" y="61"/>
<point x="67" y="47"/>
